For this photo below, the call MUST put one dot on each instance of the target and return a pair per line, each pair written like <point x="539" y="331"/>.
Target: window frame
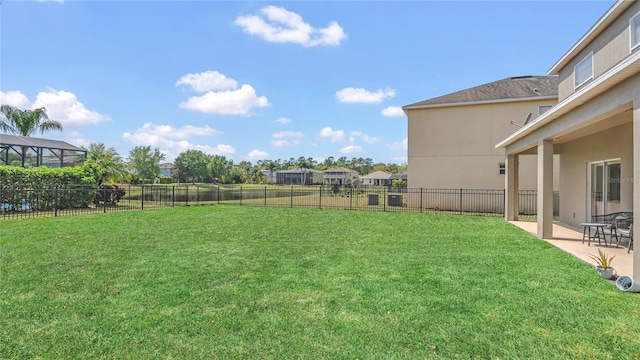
<point x="548" y="107"/>
<point x="502" y="169"/>
<point x="575" y="78"/>
<point x="634" y="20"/>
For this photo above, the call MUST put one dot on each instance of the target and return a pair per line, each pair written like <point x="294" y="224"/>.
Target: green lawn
<point x="273" y="283"/>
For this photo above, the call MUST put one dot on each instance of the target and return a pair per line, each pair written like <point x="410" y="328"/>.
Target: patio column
<point x="636" y="188"/>
<point x="545" y="189"/>
<point x="511" y="187"/>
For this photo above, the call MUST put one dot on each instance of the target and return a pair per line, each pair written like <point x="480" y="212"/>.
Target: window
<point x="634" y="31"/>
<point x="613" y="180"/>
<point x="501" y="169"/>
<point x="543" y="109"/>
<point x="583" y="71"/>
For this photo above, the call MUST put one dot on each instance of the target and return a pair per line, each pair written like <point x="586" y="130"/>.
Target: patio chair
<point x="625" y="233"/>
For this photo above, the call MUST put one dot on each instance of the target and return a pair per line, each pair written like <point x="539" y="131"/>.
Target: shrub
<point x="43" y="188"/>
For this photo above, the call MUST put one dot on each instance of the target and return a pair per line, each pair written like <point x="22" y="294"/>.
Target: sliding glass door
<point x="605" y="187"/>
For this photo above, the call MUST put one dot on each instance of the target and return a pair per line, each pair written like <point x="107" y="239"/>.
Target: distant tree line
<point x="143" y="163"/>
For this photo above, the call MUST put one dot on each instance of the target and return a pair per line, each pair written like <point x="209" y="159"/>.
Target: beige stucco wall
<point x="454" y="147"/>
<point x="608" y="49"/>
<point x="615" y="143"/>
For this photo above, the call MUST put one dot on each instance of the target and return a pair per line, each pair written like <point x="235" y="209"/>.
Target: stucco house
<point x="451" y="138"/>
<point x="339" y="176"/>
<point x="376" y="178"/>
<point x="594" y="128"/>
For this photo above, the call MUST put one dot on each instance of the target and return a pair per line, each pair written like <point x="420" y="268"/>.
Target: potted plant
<point x="603" y="264"/>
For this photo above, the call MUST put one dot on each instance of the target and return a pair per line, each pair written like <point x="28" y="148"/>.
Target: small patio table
<point x="599" y="234"/>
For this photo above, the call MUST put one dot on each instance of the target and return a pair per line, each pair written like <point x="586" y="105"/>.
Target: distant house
<point x="402" y="176"/>
<point x="299" y="177"/>
<point x="451" y="138"/>
<point x="269" y="176"/>
<point x="166" y="169"/>
<point x="378" y="178"/>
<point x="28" y="151"/>
<point x="339" y="176"/>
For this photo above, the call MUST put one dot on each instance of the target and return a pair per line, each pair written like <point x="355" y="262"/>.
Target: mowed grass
<point x="222" y="282"/>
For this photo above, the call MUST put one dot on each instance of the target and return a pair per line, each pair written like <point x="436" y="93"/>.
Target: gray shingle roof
<point x="505" y="89"/>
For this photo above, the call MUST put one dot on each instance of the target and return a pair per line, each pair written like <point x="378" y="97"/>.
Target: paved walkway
<point x="569" y="239"/>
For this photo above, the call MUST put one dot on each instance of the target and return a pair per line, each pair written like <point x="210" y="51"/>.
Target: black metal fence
<point x="20" y="202"/>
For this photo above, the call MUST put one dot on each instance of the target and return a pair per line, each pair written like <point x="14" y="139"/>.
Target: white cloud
<point x="392" y="111"/>
<point x="286" y="138"/>
<point x="277" y="24"/>
<point x="255" y="155"/>
<point x="77" y="139"/>
<point x="282" y="120"/>
<point x="398" y="145"/>
<point x="208" y="81"/>
<point x="172" y="141"/>
<point x="333" y="136"/>
<point x="351" y="149"/>
<point x="363" y="96"/>
<point x="283" y="134"/>
<point x="61" y="105"/>
<point x="281" y="143"/>
<point x="164" y="135"/>
<point x="64" y="106"/>
<point x="231" y="102"/>
<point x="15" y="98"/>
<point x="366" y="138"/>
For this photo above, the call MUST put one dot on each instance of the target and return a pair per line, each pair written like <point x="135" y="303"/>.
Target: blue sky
<point x="255" y="80"/>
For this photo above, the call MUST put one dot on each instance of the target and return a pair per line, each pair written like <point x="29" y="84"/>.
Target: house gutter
<point x="481" y="102"/>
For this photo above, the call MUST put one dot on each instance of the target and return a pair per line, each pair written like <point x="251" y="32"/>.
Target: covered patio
<point x="569" y="239"/>
<point x="595" y="131"/>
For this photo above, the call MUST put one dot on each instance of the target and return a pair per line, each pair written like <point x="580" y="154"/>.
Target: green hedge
<point x="44" y="188"/>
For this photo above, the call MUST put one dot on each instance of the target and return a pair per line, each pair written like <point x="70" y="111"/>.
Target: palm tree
<point x="26" y="122"/>
<point x="111" y="163"/>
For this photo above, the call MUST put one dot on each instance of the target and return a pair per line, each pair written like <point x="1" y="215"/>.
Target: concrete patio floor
<point x="569" y="239"/>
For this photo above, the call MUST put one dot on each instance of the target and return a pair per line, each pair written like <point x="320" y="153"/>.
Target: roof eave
<point x="482" y="102"/>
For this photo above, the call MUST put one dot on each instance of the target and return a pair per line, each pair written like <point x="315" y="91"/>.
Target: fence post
<point x="421" y="200"/>
<point x="460" y="208"/>
<point x="384" y="199"/>
<point x="265" y="195"/>
<point x="291" y="195"/>
<point x="186" y="198"/>
<point x="218" y="194"/>
<point x="320" y="201"/>
<point x="240" y="195"/>
<point x="197" y="195"/>
<point x="55" y="200"/>
<point x="173" y="196"/>
<point x="142" y="195"/>
<point x="104" y="199"/>
<point x="504" y="201"/>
